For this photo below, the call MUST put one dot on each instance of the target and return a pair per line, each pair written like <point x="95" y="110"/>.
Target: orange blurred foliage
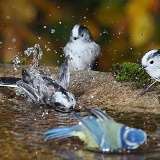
<point x="125" y="29"/>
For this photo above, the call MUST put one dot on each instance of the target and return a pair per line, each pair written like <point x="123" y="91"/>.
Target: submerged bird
<point x="82" y="49"/>
<point x="45" y="90"/>
<point x="100" y="131"/>
<point x="151" y="63"/>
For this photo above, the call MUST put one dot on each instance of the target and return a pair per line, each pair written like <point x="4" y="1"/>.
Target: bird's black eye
<point x="82" y="35"/>
<point x="151" y="62"/>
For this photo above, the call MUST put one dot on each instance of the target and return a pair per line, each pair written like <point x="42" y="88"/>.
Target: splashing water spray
<point x="37" y="55"/>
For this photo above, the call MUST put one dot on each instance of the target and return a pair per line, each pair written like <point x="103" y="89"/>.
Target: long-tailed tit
<point x="45" y="90"/>
<point x="100" y="131"/>
<point x="82" y="49"/>
<point x="151" y="63"/>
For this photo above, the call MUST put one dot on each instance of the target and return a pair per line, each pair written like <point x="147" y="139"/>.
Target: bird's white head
<point x="63" y="101"/>
<point x="151" y="63"/>
<point x="80" y="32"/>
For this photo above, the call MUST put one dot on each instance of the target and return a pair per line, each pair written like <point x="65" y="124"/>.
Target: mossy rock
<point x="132" y="72"/>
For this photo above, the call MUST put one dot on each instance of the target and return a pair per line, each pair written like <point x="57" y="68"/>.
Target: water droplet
<point x="60" y="22"/>
<point x="10" y="48"/>
<point x="44" y="27"/>
<point x="8" y="17"/>
<point x="55" y="51"/>
<point x="48" y="49"/>
<point x="52" y="76"/>
<point x="13" y="39"/>
<point x="105" y="32"/>
<point x="45" y="70"/>
<point x="53" y="30"/>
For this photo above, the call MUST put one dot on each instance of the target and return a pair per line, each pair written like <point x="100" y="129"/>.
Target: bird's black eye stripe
<point x="82" y="29"/>
<point x="155" y="54"/>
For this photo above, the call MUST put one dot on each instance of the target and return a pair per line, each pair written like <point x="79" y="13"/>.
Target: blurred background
<point x="124" y="29"/>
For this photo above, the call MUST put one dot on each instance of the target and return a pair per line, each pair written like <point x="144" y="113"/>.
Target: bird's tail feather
<point x="9" y="81"/>
<point x="59" y="133"/>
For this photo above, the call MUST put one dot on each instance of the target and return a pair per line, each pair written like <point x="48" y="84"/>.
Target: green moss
<point x="132" y="72"/>
<point x="23" y="61"/>
<point x="9" y="62"/>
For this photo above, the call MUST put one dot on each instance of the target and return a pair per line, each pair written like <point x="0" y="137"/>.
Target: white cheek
<point x="75" y="31"/>
<point x="153" y="71"/>
<point x="62" y="99"/>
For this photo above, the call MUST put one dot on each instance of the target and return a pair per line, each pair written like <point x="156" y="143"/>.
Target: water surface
<point x="22" y="124"/>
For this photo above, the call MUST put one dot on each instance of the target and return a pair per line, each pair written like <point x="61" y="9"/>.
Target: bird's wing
<point x="64" y="74"/>
<point x="59" y="132"/>
<point x="30" y="91"/>
<point x="99" y="114"/>
<point x="26" y="76"/>
<point x="102" y="115"/>
<point x="95" y="128"/>
<point x="9" y="81"/>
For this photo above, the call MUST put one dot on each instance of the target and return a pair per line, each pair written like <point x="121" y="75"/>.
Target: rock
<point x="98" y="89"/>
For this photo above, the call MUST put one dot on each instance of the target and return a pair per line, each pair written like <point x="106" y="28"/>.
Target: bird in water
<point x="99" y="131"/>
<point x="82" y="49"/>
<point x="44" y="90"/>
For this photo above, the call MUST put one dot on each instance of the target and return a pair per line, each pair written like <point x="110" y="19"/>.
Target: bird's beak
<point x="143" y="66"/>
<point x="75" y="38"/>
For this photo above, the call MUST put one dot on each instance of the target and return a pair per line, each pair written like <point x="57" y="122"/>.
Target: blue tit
<point x="100" y="131"/>
<point x="45" y="90"/>
<point x="82" y="49"/>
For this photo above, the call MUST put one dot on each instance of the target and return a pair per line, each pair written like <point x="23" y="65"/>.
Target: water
<point x="23" y="123"/>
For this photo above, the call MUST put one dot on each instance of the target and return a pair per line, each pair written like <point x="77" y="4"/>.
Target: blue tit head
<point x="133" y="137"/>
<point x="151" y="63"/>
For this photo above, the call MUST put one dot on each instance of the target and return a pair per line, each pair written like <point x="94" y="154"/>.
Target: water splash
<point x="16" y="63"/>
<point x="37" y="55"/>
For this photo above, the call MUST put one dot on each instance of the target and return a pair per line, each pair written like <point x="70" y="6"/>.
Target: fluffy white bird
<point x="82" y="49"/>
<point x="151" y="63"/>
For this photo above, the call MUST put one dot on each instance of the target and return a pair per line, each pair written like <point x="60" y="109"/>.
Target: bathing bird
<point x="99" y="131"/>
<point x="44" y="90"/>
